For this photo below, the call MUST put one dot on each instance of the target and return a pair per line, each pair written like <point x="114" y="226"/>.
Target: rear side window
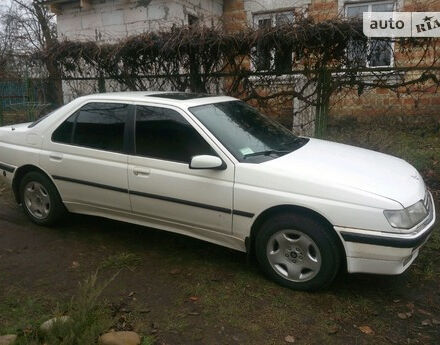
<point x="96" y="125"/>
<point x="163" y="133"/>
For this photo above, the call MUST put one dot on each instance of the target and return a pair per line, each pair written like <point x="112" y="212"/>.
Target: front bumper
<point x="6" y="172"/>
<point x="385" y="253"/>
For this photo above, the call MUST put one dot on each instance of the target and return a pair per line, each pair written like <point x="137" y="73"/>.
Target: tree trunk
<point x="55" y="86"/>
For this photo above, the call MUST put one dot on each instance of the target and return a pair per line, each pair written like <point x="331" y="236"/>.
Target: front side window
<point x="374" y="52"/>
<point x="96" y="125"/>
<point x="163" y="133"/>
<point x="248" y="135"/>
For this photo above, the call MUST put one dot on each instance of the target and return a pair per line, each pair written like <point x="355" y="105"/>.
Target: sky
<point x="5" y="3"/>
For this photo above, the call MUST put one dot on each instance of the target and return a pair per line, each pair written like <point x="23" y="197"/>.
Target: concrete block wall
<point x="110" y="20"/>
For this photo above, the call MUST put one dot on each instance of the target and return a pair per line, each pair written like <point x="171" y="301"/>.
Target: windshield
<point x="250" y="136"/>
<point x="36" y="122"/>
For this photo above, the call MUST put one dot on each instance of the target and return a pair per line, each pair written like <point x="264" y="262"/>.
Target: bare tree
<point x="31" y="27"/>
<point x="6" y="41"/>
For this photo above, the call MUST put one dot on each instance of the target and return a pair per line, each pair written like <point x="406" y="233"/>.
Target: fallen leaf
<point x="391" y="340"/>
<point x="289" y="339"/>
<point x="402" y="316"/>
<point x="424" y="312"/>
<point x="193" y="298"/>
<point x="175" y="271"/>
<point x="193" y="313"/>
<point x="75" y="264"/>
<point x="426" y="322"/>
<point x="366" y="330"/>
<point x="430" y="173"/>
<point x="436" y="322"/>
<point x="396" y="300"/>
<point x="333" y="330"/>
<point x="131" y="294"/>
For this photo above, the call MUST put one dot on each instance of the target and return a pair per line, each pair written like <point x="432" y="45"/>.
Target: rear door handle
<point x="141" y="172"/>
<point x="57" y="157"/>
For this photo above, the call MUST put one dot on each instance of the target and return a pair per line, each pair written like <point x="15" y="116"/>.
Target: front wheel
<point x="40" y="199"/>
<point x="298" y="252"/>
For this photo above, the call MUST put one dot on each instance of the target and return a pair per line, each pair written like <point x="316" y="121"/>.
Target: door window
<point x="163" y="133"/>
<point x="96" y="125"/>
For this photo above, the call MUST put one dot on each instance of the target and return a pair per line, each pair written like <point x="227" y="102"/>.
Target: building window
<point x="374" y="52"/>
<point x="279" y="57"/>
<point x="193" y="21"/>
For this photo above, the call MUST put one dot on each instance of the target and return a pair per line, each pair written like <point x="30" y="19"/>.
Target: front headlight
<point x="408" y="217"/>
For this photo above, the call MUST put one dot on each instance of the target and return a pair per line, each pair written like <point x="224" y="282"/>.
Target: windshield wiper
<point x="266" y="153"/>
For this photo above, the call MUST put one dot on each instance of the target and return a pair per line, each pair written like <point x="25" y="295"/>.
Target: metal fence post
<point x="101" y="83"/>
<point x="322" y="106"/>
<point x="1" y="112"/>
<point x="30" y="99"/>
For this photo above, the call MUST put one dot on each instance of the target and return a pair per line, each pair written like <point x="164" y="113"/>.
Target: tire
<point x="298" y="252"/>
<point x="40" y="199"/>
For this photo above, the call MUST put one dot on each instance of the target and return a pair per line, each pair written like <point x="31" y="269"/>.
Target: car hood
<point x="357" y="168"/>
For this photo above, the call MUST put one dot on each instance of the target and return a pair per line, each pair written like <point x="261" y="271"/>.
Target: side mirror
<point x="207" y="162"/>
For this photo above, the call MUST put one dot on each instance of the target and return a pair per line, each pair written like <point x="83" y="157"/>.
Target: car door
<point x="86" y="156"/>
<point x="162" y="186"/>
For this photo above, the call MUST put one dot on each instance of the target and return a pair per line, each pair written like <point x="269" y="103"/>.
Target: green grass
<point x="148" y="340"/>
<point x="21" y="314"/>
<point x="122" y="260"/>
<point x="89" y="317"/>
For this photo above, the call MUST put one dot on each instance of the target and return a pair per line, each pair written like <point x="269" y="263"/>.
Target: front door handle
<point x="141" y="172"/>
<point x="57" y="157"/>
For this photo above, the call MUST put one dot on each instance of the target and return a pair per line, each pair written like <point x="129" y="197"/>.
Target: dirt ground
<point x="180" y="290"/>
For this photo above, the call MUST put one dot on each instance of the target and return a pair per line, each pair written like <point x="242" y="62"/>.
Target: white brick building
<point x="109" y="20"/>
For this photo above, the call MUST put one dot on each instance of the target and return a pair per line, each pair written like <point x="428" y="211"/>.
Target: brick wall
<point x="323" y="9"/>
<point x="382" y="102"/>
<point x="234" y="16"/>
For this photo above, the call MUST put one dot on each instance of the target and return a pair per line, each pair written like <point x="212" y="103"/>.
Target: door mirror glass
<point x="206" y="162"/>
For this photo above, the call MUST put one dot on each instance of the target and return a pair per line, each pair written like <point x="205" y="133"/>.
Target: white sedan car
<point x="215" y="169"/>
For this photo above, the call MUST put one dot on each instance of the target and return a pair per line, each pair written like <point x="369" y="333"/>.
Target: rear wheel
<point x="298" y="252"/>
<point x="40" y="199"/>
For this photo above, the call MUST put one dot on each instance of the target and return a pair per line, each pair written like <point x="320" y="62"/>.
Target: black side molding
<point x="394" y="242"/>
<point x="243" y="213"/>
<point x="155" y="196"/>
<point x="6" y="167"/>
<point x="180" y="201"/>
<point x="91" y="184"/>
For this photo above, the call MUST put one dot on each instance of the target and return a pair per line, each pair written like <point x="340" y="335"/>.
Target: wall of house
<point x="384" y="102"/>
<point x="376" y="102"/>
<point x="109" y="20"/>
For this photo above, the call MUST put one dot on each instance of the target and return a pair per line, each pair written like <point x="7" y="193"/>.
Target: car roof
<point x="181" y="99"/>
